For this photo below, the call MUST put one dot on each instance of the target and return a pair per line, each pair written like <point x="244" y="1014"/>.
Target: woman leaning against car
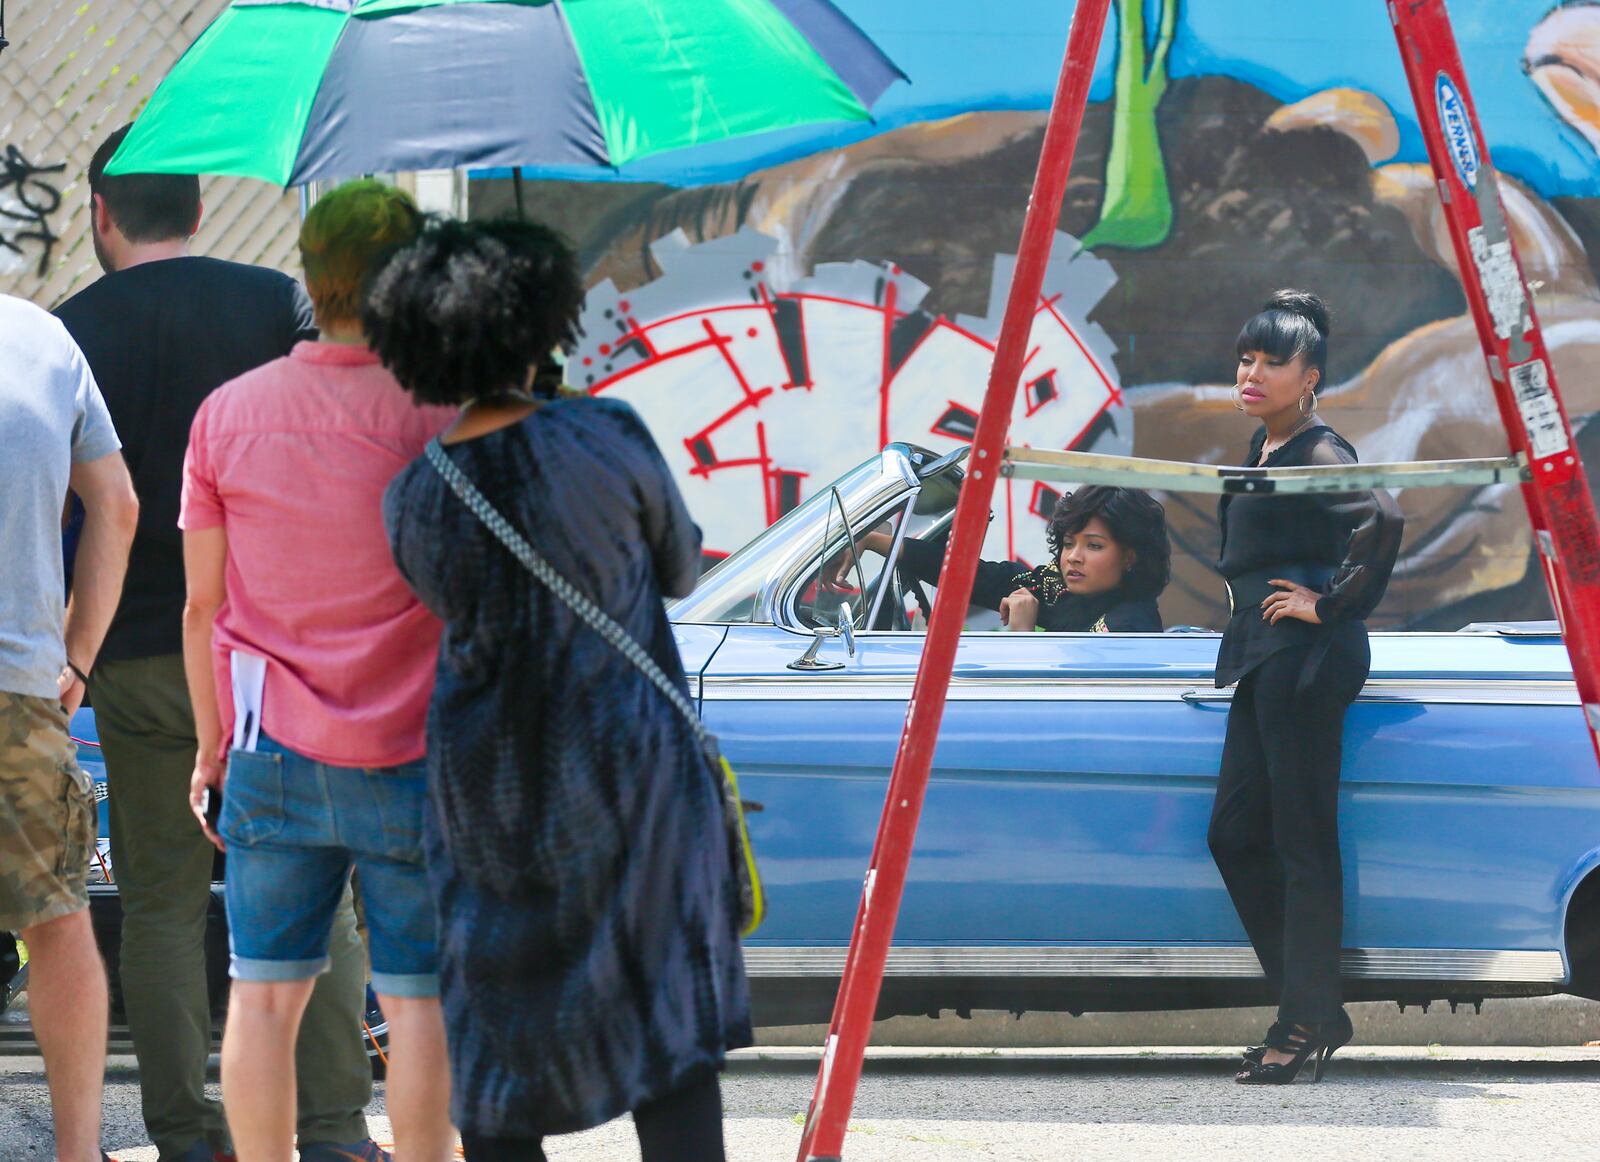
<point x="1109" y="561"/>
<point x="1302" y="572"/>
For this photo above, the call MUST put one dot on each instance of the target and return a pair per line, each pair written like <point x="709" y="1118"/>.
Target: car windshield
<point x="730" y="591"/>
<point x="880" y="598"/>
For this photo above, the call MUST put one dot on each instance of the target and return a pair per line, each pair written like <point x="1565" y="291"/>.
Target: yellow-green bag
<point x="752" y="896"/>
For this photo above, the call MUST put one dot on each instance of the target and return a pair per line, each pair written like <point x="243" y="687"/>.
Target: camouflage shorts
<point x="47" y="815"/>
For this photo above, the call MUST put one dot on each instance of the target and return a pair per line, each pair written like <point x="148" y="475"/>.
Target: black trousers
<point x="1275" y="823"/>
<point x="683" y="1126"/>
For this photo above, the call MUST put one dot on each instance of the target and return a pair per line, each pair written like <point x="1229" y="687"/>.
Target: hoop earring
<point x="1238" y="396"/>
<point x="1312" y="410"/>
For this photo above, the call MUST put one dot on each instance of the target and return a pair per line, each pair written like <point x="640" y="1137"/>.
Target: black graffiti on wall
<point x="27" y="200"/>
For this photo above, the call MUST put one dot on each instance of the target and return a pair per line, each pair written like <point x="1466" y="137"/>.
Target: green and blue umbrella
<point x="293" y="92"/>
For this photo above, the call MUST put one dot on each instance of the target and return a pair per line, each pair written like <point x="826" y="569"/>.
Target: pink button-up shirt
<point x="291" y="461"/>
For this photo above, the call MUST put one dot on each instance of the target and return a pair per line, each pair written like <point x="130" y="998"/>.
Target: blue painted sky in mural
<point x="1005" y="54"/>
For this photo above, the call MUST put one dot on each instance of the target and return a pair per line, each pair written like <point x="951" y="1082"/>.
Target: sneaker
<point x="365" y="1150"/>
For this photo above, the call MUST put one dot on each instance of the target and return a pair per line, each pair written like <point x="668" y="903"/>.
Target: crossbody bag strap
<point x="585" y="609"/>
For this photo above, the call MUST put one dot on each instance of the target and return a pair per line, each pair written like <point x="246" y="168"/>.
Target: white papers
<point x="249" y="680"/>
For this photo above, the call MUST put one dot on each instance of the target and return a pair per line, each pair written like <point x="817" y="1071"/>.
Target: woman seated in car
<point x="1109" y="561"/>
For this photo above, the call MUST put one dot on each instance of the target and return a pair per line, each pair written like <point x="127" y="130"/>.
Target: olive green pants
<point x="162" y="864"/>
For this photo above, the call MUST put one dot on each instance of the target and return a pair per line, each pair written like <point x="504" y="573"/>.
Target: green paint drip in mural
<point x="1137" y="212"/>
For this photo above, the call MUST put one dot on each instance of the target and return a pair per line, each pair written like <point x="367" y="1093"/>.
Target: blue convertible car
<point x="1062" y="861"/>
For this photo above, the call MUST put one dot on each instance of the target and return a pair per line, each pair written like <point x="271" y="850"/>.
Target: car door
<point x="1068" y="803"/>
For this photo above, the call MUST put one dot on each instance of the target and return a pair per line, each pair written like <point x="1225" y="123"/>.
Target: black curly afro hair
<point x="468" y="307"/>
<point x="1136" y="520"/>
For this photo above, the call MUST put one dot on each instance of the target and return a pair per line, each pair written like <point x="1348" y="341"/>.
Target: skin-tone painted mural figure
<point x="1563" y="60"/>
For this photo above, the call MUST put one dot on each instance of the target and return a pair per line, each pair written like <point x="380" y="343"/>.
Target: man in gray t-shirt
<point x="55" y="435"/>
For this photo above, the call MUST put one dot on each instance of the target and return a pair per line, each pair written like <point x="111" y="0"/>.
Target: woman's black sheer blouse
<point x="1343" y="545"/>
<point x="1059" y="611"/>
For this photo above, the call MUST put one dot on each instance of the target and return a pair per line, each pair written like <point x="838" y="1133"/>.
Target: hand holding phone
<point x="213" y="807"/>
<point x="205" y="794"/>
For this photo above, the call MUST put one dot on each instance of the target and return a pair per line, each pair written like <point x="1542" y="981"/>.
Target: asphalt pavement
<point x="943" y="1105"/>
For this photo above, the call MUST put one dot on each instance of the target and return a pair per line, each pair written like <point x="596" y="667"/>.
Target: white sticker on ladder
<point x="1541" y="415"/>
<point x="1501" y="282"/>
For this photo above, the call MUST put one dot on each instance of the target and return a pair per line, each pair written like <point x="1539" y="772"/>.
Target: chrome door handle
<point x="1195" y="698"/>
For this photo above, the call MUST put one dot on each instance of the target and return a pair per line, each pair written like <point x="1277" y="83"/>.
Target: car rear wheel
<point x="1583" y="938"/>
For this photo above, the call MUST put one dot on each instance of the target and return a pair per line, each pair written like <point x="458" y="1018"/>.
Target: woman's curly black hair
<point x="468" y="307"/>
<point x="1136" y="520"/>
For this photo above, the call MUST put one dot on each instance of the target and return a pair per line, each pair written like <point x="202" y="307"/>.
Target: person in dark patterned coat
<point x="586" y="892"/>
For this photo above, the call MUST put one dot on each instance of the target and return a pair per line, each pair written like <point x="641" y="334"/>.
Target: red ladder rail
<point x="823" y="1139"/>
<point x="1559" y="505"/>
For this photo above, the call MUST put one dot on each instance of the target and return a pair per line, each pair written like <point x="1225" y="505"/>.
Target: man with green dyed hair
<point x="290" y="578"/>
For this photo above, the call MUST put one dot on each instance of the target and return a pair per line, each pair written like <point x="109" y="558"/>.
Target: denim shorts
<point x="294" y="828"/>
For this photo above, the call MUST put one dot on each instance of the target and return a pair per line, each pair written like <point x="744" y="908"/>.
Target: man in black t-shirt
<point x="161" y="331"/>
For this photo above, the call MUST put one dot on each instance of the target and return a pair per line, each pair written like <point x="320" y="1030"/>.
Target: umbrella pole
<point x="516" y="189"/>
<point x="857" y="1001"/>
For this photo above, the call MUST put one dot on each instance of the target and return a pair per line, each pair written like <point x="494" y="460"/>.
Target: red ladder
<point x="1557" y="495"/>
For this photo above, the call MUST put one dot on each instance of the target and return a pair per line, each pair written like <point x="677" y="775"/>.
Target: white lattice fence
<point x="73" y="73"/>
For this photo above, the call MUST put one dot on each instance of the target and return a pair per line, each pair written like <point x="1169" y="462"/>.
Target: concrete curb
<point x="1539" y="1021"/>
<point x="1366" y="1061"/>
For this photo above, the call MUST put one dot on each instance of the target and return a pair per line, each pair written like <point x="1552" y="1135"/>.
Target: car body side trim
<point x="1188" y="961"/>
<point x="897" y="688"/>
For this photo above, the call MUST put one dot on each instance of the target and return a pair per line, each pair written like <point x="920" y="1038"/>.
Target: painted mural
<point x="776" y="391"/>
<point x="777" y="327"/>
<point x="780" y="306"/>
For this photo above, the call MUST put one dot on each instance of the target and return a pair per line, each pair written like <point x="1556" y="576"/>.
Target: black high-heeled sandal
<point x="1278" y="1030"/>
<point x="1303" y="1043"/>
<point x="1274" y="1040"/>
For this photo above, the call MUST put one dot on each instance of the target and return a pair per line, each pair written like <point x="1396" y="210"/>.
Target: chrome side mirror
<point x="846" y="629"/>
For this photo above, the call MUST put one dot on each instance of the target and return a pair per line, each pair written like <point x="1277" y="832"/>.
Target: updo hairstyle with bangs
<point x="1294" y="323"/>
<point x="467" y="309"/>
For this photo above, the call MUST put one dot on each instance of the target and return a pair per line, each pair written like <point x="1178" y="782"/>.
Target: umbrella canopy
<point x="292" y="92"/>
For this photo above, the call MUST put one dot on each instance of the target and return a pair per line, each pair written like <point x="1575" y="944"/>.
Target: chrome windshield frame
<point x="770" y="565"/>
